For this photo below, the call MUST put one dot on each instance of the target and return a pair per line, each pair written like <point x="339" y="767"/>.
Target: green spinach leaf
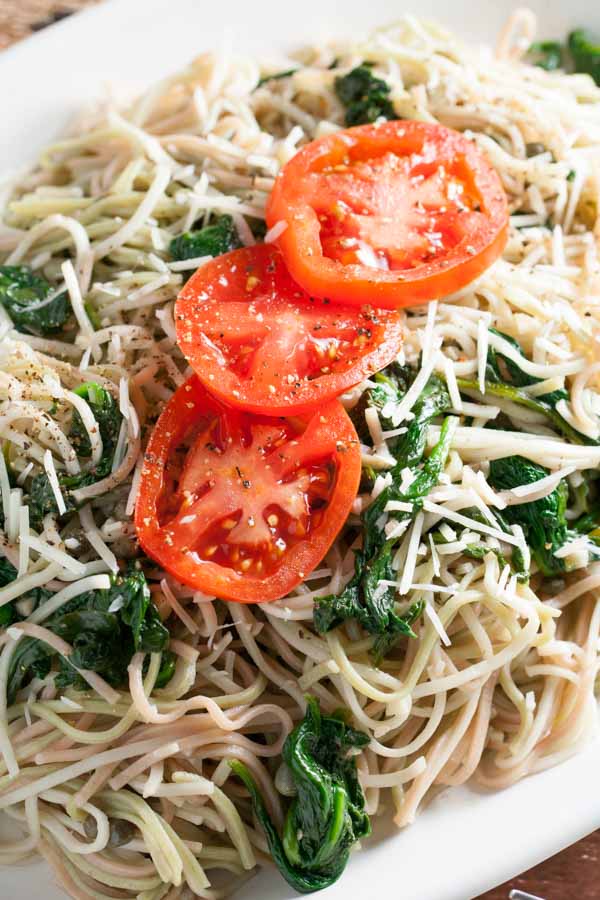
<point x="580" y="53"/>
<point x="23" y="296"/>
<point x="9" y="612"/>
<point x="106" y="412"/>
<point x="584" y="47"/>
<point x="365" y="598"/>
<point x="543" y="521"/>
<point x="30" y="659"/>
<point x="365" y="97"/>
<point x="109" y="418"/>
<point x="505" y="379"/>
<point x="276" y="76"/>
<point x="546" y="55"/>
<point x="105" y="628"/>
<point x="327" y="816"/>
<point x="212" y="240"/>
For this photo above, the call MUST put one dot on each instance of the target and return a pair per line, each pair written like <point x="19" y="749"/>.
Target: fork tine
<point x="522" y="895"/>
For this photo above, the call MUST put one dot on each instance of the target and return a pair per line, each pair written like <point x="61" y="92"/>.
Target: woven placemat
<point x="19" y="18"/>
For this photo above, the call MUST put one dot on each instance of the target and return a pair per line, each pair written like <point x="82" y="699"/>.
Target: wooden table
<point x="570" y="875"/>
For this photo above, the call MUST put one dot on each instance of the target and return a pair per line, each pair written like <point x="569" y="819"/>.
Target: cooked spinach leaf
<point x="13" y="611"/>
<point x="585" y="497"/>
<point x="105" y="627"/>
<point x="365" y="598"/>
<point x="93" y="315"/>
<point x="546" y="55"/>
<point x="584" y="47"/>
<point x="167" y="669"/>
<point x="276" y="76"/>
<point x="41" y="499"/>
<point x="22" y="294"/>
<point x="391" y="385"/>
<point x="108" y="416"/>
<point x="504" y="378"/>
<point x="479" y="551"/>
<point x="30" y="659"/>
<point x="365" y="96"/>
<point x="327" y="816"/>
<point x="543" y="521"/>
<point x="500" y="368"/>
<point x="580" y="53"/>
<point x="212" y="240"/>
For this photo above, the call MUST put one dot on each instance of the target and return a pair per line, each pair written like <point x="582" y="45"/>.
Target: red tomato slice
<point x="241" y="506"/>
<point x="392" y="214"/>
<point x="259" y="342"/>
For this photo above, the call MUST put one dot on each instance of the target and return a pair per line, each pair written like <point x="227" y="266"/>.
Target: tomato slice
<point x="259" y="342"/>
<point x="242" y="506"/>
<point x="391" y="214"/>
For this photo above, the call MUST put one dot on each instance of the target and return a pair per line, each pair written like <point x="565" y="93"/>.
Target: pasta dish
<point x="300" y="421"/>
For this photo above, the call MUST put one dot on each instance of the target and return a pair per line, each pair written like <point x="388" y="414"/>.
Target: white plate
<point x="466" y="841"/>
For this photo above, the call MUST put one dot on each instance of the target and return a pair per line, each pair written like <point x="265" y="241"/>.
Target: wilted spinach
<point x="543" y="521"/>
<point x="212" y="240"/>
<point x="276" y="76"/>
<point x="9" y="612"/>
<point x="504" y="378"/>
<point x="24" y="297"/>
<point x="584" y="47"/>
<point x="546" y="55"/>
<point x="365" y="598"/>
<point x="580" y="53"/>
<point x="109" y="418"/>
<point x="105" y="628"/>
<point x="106" y="412"/>
<point x="365" y="96"/>
<point x="327" y="816"/>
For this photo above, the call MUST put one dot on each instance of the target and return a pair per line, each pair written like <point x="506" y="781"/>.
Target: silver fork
<point x="521" y="895"/>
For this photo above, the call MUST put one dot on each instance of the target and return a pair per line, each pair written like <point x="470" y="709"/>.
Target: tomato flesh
<point x="244" y="506"/>
<point x="390" y="213"/>
<point x="259" y="342"/>
<point x="398" y="213"/>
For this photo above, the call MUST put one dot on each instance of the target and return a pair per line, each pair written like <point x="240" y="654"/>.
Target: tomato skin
<point x="248" y="295"/>
<point x="480" y="232"/>
<point x="329" y="435"/>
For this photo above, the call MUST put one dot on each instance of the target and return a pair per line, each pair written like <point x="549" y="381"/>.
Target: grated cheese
<point x="53" y="479"/>
<point x="397" y="412"/>
<point x="149" y="288"/>
<point x="74" y="291"/>
<point x="53" y="554"/>
<point x="411" y="554"/>
<point x="374" y="426"/>
<point x="455" y="398"/>
<point x="182" y="265"/>
<point x="478" y="527"/>
<point x="95" y="539"/>
<point x="482" y="353"/>
<point x="275" y="231"/>
<point x="527" y="493"/>
<point x="435" y="620"/>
